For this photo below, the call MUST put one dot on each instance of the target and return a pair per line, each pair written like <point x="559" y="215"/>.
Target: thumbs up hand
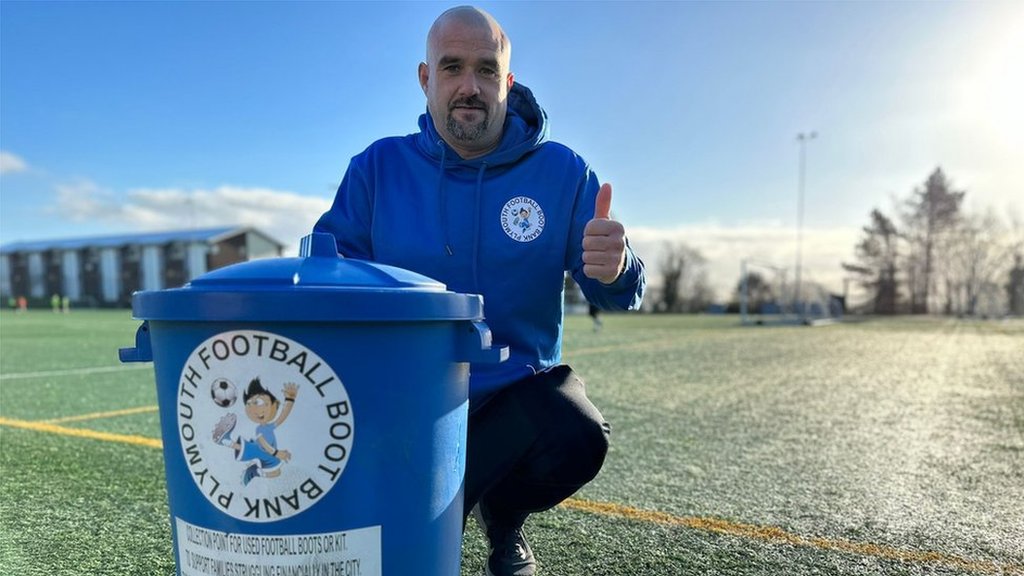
<point x="604" y="241"/>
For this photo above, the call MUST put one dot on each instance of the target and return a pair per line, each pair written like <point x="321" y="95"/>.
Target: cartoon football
<point x="223" y="392"/>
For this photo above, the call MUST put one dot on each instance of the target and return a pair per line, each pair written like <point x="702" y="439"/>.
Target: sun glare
<point x="992" y="96"/>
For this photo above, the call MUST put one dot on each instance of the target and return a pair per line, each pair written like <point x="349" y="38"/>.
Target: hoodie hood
<point x="525" y="130"/>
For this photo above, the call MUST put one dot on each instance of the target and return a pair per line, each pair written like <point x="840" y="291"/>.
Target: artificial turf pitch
<point x="880" y="447"/>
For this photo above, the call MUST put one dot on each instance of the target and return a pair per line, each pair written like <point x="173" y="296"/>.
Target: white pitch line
<point x="73" y="371"/>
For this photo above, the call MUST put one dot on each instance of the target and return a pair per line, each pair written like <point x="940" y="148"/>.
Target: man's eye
<point x="489" y="72"/>
<point x="452" y="68"/>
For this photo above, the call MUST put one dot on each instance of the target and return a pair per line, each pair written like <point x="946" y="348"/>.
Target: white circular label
<point x="522" y="219"/>
<point x="265" y="424"/>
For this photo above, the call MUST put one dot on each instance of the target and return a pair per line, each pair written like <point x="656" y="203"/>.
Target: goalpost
<point x="767" y="298"/>
<point x="763" y="292"/>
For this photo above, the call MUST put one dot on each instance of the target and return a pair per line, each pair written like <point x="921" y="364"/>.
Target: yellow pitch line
<point x="97" y="415"/>
<point x="82" y="433"/>
<point x="764" y="533"/>
<point x="778" y="535"/>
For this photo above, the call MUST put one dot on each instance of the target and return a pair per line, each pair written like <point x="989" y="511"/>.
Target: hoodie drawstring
<point x="476" y="223"/>
<point x="442" y="195"/>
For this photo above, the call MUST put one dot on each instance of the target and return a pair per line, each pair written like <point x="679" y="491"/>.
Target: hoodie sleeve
<point x="627" y="292"/>
<point x="350" y="217"/>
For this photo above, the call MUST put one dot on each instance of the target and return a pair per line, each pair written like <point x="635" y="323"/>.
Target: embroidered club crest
<point x="522" y="219"/>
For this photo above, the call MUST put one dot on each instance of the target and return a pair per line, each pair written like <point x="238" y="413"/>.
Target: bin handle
<point x="475" y="346"/>
<point x="143" y="351"/>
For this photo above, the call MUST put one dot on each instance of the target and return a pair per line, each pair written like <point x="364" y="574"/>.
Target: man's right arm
<point x="351" y="215"/>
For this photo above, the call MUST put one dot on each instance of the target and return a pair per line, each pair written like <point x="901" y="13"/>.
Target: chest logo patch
<point x="522" y="219"/>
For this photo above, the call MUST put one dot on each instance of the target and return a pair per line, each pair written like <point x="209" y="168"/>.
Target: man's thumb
<point x="603" y="205"/>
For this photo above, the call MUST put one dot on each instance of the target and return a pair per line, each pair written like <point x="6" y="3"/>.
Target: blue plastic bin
<point x="313" y="413"/>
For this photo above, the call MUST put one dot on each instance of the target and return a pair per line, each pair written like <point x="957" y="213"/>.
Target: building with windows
<point x="106" y="270"/>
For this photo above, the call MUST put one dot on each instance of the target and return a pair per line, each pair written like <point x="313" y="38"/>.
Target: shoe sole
<point x="487" y="571"/>
<point x="226" y="425"/>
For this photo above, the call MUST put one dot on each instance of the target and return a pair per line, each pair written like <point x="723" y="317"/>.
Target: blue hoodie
<point x="506" y="225"/>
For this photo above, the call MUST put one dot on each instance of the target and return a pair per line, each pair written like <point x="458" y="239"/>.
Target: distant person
<point x="595" y="315"/>
<point x="481" y="200"/>
<point x="66" y="305"/>
<point x="55" y="303"/>
<point x="22" y="304"/>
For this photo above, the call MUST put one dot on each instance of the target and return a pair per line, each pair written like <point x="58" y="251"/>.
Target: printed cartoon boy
<point x="261" y="407"/>
<point x="524" y="218"/>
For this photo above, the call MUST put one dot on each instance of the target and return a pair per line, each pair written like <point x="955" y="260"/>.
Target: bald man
<point x="481" y="200"/>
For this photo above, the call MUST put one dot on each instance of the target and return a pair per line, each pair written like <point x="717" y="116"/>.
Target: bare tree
<point x="929" y="216"/>
<point x="877" y="260"/>
<point x="759" y="292"/>
<point x="940" y="253"/>
<point x="684" y="285"/>
<point x="977" y="255"/>
<point x="1015" y="286"/>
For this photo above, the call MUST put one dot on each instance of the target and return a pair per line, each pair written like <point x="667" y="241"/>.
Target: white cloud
<point x="285" y="216"/>
<point x="10" y="163"/>
<point x="83" y="200"/>
<point x="288" y="216"/>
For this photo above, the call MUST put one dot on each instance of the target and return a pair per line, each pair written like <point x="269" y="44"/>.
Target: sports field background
<point x="881" y="447"/>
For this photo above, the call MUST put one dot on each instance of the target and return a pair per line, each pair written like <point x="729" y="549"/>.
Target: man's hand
<point x="604" y="241"/>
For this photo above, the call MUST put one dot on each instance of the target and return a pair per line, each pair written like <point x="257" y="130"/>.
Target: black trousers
<point x="532" y="445"/>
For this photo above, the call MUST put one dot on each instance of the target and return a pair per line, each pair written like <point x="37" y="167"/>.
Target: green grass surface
<point x="880" y="447"/>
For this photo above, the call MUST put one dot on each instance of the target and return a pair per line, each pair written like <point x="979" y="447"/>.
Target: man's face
<point x="466" y="81"/>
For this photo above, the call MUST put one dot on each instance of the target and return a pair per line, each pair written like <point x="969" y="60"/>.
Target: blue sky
<point x="119" y="116"/>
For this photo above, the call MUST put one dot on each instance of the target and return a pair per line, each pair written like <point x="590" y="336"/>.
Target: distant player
<point x="595" y="315"/>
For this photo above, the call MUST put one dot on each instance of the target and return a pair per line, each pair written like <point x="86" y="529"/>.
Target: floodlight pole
<point x="802" y="138"/>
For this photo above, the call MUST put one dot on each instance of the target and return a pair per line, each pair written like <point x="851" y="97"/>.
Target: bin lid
<point x="318" y="286"/>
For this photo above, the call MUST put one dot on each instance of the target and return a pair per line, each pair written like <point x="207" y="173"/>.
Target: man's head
<point x="466" y="79"/>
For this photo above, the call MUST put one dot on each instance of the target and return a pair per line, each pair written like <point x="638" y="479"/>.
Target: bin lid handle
<point x="319" y="245"/>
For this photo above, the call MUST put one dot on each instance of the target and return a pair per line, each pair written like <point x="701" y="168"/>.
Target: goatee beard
<point x="466" y="132"/>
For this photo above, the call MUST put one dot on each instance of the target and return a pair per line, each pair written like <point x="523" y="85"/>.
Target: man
<point x="480" y="199"/>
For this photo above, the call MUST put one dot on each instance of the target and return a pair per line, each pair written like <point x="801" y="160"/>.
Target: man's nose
<point x="468" y="85"/>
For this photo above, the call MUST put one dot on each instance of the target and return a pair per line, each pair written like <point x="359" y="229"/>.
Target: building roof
<point x="143" y="239"/>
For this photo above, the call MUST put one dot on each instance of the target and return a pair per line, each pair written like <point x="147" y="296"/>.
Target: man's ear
<point x="424" y="74"/>
<point x="511" y="80"/>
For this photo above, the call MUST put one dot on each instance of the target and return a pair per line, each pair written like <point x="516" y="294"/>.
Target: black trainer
<point x="510" y="552"/>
